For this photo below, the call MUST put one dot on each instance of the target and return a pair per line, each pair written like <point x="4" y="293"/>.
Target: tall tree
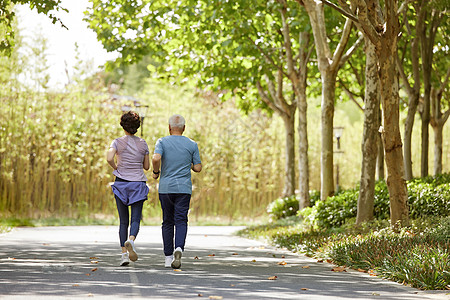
<point x="410" y="57"/>
<point x="249" y="49"/>
<point x="329" y="65"/>
<point x="379" y="23"/>
<point x="439" y="118"/>
<point x="434" y="13"/>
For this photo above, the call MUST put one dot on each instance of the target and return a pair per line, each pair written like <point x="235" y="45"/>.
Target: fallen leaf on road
<point x="304" y="289"/>
<point x="90" y="295"/>
<point x="200" y="295"/>
<point x="196" y="257"/>
<point x="177" y="270"/>
<point x="216" y="297"/>
<point x="361" y="270"/>
<point x="254" y="260"/>
<point x="206" y="235"/>
<point x="94" y="269"/>
<point x="305" y="267"/>
<point x="320" y="261"/>
<point x="211" y="254"/>
<point x="87" y="274"/>
<point x="94" y="261"/>
<point x="11" y="258"/>
<point x="235" y="254"/>
<point x="272" y="278"/>
<point x="375" y="294"/>
<point x="329" y="261"/>
<point x="232" y="285"/>
<point x="339" y="269"/>
<point x="75" y="285"/>
<point x="93" y="257"/>
<point x="283" y="263"/>
<point x="45" y="244"/>
<point x="282" y="256"/>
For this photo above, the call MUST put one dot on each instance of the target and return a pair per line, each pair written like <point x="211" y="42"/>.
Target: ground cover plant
<point x="418" y="255"/>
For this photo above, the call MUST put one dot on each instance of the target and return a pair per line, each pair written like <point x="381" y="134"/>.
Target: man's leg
<point x="168" y="223"/>
<point x="181" y="218"/>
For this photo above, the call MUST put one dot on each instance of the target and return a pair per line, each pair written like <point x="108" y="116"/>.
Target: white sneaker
<point x="168" y="261"/>
<point x="125" y="260"/>
<point x="176" y="263"/>
<point x="129" y="244"/>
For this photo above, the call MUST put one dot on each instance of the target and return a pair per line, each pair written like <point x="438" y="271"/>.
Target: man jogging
<point x="176" y="155"/>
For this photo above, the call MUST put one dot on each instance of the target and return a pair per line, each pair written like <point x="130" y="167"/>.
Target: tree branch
<point x="267" y="56"/>
<point x="266" y="99"/>
<point x="352" y="49"/>
<point x="351" y="95"/>
<point x="287" y="39"/>
<point x="343" y="11"/>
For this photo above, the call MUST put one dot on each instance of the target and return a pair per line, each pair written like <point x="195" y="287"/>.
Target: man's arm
<point x="156" y="162"/>
<point x="197" y="168"/>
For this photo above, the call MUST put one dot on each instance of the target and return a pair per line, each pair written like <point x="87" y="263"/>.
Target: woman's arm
<point x="146" y="162"/>
<point x="110" y="158"/>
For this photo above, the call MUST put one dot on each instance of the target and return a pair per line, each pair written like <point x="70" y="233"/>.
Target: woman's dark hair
<point x="130" y="122"/>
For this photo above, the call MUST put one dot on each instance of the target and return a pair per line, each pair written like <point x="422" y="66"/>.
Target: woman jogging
<point x="129" y="188"/>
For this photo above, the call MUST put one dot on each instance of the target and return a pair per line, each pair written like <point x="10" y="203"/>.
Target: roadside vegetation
<point x="417" y="255"/>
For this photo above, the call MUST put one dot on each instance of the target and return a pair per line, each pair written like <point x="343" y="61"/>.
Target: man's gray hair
<point x="177" y="121"/>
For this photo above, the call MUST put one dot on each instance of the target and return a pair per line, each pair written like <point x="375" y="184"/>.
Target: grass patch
<point x="418" y="256"/>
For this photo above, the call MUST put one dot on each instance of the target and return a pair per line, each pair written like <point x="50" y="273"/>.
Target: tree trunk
<point x="380" y="155"/>
<point x="392" y="139"/>
<point x="425" y="126"/>
<point x="300" y="86"/>
<point x="438" y="149"/>
<point x="409" y="124"/>
<point x="289" y="184"/>
<point x="369" y="145"/>
<point x="326" y="158"/>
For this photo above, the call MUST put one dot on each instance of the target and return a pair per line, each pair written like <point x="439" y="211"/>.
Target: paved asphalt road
<point x="82" y="263"/>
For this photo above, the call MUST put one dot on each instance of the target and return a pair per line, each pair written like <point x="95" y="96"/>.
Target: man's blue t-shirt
<point x="177" y="154"/>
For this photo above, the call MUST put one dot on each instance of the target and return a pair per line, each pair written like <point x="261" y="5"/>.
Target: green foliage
<point x="429" y="196"/>
<point x="7" y="17"/>
<point x="418" y="256"/>
<point x="283" y="207"/>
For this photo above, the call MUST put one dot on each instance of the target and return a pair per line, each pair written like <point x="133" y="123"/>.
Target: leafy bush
<point x="427" y="197"/>
<point x="283" y="207"/>
<point x="288" y="206"/>
<point x="333" y="212"/>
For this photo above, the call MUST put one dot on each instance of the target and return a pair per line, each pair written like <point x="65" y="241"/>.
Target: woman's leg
<point x="136" y="214"/>
<point x="124" y="221"/>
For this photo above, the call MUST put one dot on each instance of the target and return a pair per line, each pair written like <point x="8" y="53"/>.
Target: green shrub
<point x="334" y="211"/>
<point x="421" y="259"/>
<point x="427" y="197"/>
<point x="283" y="207"/>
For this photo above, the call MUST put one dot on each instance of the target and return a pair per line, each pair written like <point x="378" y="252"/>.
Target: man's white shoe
<point x="168" y="261"/>
<point x="176" y="263"/>
<point x="129" y="245"/>
<point x="125" y="260"/>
